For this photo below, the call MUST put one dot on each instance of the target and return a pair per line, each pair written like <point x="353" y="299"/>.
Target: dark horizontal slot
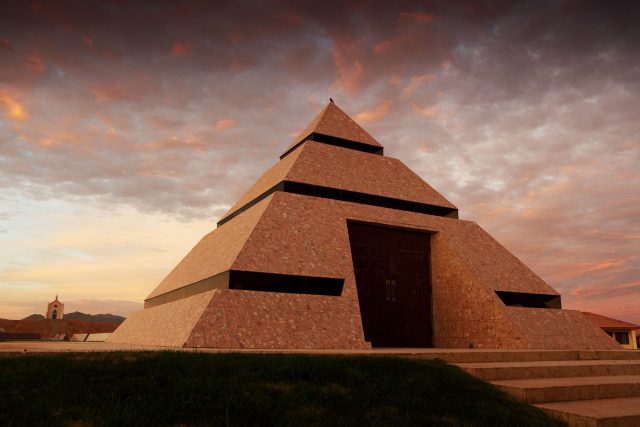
<point x="284" y="283"/>
<point x="347" y="196"/>
<point x="522" y="299"/>
<point x="338" y="142"/>
<point x="18" y="336"/>
<point x="365" y="199"/>
<point x="278" y="187"/>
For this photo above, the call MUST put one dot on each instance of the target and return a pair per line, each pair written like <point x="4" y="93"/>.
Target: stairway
<point x="583" y="388"/>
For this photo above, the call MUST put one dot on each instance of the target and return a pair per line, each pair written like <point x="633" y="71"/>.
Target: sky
<point x="126" y="131"/>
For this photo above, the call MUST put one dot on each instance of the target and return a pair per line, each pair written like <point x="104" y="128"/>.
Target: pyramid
<point x="337" y="246"/>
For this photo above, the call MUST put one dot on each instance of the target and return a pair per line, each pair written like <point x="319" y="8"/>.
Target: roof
<point x="605" y="322"/>
<point x="334" y="122"/>
<point x="341" y="168"/>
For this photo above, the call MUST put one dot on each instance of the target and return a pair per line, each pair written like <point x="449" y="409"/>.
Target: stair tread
<point x="598" y="408"/>
<point x="568" y="381"/>
<point x="546" y="363"/>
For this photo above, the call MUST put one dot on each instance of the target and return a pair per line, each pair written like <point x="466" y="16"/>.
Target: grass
<point x="172" y="388"/>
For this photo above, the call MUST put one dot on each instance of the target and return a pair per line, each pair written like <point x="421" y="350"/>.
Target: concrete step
<point x="551" y="369"/>
<point x="539" y="390"/>
<point x="623" y="412"/>
<point x="487" y="356"/>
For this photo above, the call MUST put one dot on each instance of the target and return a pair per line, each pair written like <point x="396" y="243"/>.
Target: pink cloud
<point x="417" y="81"/>
<point x="375" y="114"/>
<point x="109" y="93"/>
<point x="181" y="48"/>
<point x="225" y="124"/>
<point x="349" y="68"/>
<point x="429" y="112"/>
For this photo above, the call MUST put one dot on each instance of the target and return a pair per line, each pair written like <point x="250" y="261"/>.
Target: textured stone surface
<point x="622" y="412"/>
<point x="551" y="369"/>
<point x="575" y="388"/>
<point x="559" y="329"/>
<point x="303" y="235"/>
<point x="213" y="254"/>
<point x="244" y="319"/>
<point x="334" y="122"/>
<point x="274" y="175"/>
<point x="167" y="325"/>
<point x="352" y="170"/>
<point x="579" y="387"/>
<point x="336" y="167"/>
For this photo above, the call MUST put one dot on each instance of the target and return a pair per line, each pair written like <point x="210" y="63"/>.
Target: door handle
<point x="387" y="289"/>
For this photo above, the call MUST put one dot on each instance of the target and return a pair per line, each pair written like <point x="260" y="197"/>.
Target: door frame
<point x="397" y="226"/>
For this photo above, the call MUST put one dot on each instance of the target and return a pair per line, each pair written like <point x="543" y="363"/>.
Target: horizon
<point x="122" y="144"/>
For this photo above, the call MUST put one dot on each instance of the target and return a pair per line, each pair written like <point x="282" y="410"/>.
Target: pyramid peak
<point x="333" y="126"/>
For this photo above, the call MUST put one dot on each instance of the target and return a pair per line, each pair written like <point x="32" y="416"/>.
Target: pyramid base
<point x="230" y="319"/>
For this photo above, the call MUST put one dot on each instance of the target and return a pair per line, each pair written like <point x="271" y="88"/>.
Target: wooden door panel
<point x="393" y="279"/>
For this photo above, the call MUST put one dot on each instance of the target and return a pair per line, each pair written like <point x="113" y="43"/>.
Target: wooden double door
<point x="393" y="278"/>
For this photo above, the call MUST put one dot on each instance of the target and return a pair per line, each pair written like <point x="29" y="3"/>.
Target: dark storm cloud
<point x="525" y="114"/>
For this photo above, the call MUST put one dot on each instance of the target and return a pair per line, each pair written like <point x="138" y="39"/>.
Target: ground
<point x="188" y="388"/>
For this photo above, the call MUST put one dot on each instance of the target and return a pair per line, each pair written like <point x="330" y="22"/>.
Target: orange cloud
<point x="429" y="112"/>
<point x="225" y="124"/>
<point x="111" y="93"/>
<point x="181" y="48"/>
<point x="13" y="109"/>
<point x="349" y="69"/>
<point x="607" y="263"/>
<point x="417" y="81"/>
<point x="375" y="114"/>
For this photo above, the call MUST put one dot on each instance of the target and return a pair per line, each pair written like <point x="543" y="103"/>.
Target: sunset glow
<point x="126" y="131"/>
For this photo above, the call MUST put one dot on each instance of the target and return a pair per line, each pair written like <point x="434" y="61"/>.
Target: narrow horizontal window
<point x="522" y="299"/>
<point x="284" y="283"/>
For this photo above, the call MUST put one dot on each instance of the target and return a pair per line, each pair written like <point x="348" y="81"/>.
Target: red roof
<point x="605" y="322"/>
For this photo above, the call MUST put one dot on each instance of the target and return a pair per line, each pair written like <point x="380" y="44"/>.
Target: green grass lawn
<point x="248" y="390"/>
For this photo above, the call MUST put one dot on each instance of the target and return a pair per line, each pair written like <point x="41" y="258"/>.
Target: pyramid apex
<point x="333" y="126"/>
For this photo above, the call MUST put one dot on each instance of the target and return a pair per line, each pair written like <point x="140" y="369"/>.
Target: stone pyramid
<point x="337" y="246"/>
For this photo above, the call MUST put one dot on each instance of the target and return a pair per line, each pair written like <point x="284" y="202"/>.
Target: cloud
<point x="415" y="17"/>
<point x="375" y="114"/>
<point x="525" y="117"/>
<point x="349" y="68"/>
<point x="109" y="93"/>
<point x="410" y="28"/>
<point x="417" y="81"/>
<point x="225" y="124"/>
<point x="429" y="112"/>
<point x="181" y="48"/>
<point x="13" y="109"/>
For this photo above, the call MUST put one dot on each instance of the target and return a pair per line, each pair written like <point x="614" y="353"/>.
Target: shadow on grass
<point x="248" y="390"/>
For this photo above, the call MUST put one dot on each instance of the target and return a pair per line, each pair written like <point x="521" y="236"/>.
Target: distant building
<point x="623" y="332"/>
<point x="55" y="310"/>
